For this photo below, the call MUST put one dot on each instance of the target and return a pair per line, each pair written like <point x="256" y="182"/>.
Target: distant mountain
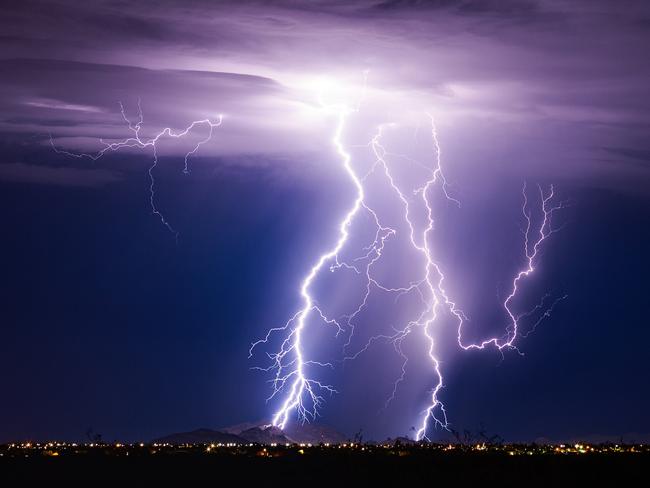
<point x="300" y="433"/>
<point x="260" y="433"/>
<point x="239" y="428"/>
<point x="201" y="436"/>
<point x="265" y="434"/>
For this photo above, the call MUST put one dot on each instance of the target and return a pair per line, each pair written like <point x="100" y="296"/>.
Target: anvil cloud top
<point x="353" y="167"/>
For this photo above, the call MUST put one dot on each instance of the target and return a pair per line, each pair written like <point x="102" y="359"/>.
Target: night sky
<point x="112" y="322"/>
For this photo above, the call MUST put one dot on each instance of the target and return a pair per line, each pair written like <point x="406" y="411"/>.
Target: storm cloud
<point x="565" y="78"/>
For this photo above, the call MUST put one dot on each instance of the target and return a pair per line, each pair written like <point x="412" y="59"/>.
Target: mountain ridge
<point x="257" y="432"/>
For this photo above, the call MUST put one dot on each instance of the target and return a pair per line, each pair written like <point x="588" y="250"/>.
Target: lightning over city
<point x="300" y="390"/>
<point x="322" y="242"/>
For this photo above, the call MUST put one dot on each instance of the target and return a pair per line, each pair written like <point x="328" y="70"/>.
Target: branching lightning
<point x="138" y="141"/>
<point x="305" y="394"/>
<point x="430" y="286"/>
<point x="534" y="237"/>
<point x="302" y="393"/>
<point x="293" y="382"/>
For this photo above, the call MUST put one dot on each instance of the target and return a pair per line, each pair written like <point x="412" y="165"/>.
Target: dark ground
<point x="319" y="466"/>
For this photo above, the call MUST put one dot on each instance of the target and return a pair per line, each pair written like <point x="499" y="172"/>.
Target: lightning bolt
<point x="534" y="238"/>
<point x="290" y="364"/>
<point x="303" y="393"/>
<point x="138" y="141"/>
<point x="430" y="286"/>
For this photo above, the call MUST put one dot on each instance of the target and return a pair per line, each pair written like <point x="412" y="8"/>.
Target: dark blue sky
<point x="110" y="322"/>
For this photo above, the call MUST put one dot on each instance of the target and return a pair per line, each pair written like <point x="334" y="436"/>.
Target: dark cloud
<point x="558" y="73"/>
<point x="638" y="156"/>
<point x="84" y="96"/>
<point x="59" y="176"/>
<point x="509" y="8"/>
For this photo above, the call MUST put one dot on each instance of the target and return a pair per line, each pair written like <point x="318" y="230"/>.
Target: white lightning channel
<point x="302" y="393"/>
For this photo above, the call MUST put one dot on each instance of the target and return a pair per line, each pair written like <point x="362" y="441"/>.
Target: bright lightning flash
<point x="302" y="393"/>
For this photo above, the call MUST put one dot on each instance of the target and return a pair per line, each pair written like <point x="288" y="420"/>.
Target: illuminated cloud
<point x="536" y="69"/>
